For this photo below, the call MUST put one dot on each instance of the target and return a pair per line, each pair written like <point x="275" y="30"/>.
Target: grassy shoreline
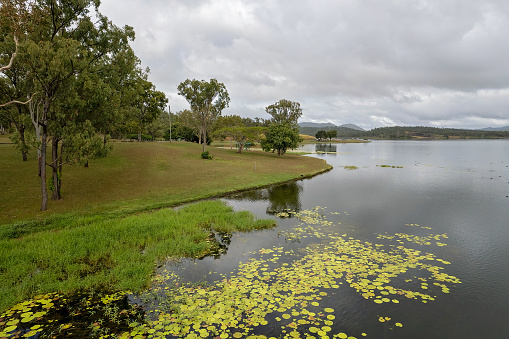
<point x="143" y="176"/>
<point x="111" y="228"/>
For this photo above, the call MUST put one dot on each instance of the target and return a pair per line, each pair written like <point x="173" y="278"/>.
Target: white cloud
<point x="416" y="62"/>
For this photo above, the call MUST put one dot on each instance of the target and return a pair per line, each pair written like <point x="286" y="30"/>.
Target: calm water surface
<point x="458" y="188"/>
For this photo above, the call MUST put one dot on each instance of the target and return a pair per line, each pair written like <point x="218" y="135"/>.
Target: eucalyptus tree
<point x="224" y="127"/>
<point x="207" y="101"/>
<point x="14" y="25"/>
<point x="63" y="51"/>
<point x="242" y="135"/>
<point x="284" y="112"/>
<point x="149" y="102"/>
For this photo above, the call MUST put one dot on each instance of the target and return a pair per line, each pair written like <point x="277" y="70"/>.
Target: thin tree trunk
<point x="34" y="115"/>
<point x="204" y="139"/>
<point x="42" y="169"/>
<point x="24" y="151"/>
<point x="59" y="175"/>
<point x="54" y="168"/>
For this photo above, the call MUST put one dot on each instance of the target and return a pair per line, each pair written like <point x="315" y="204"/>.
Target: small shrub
<point x="206" y="155"/>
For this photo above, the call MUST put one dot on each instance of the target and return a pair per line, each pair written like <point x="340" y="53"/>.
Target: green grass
<point x="118" y="254"/>
<point x="110" y="229"/>
<point x="143" y="176"/>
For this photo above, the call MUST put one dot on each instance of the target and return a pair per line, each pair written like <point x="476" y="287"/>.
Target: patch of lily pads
<point x="282" y="293"/>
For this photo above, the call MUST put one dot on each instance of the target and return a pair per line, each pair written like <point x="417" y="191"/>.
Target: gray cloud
<point x="368" y="62"/>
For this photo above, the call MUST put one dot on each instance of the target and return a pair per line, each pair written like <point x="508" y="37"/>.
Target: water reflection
<point x="456" y="189"/>
<point x="281" y="198"/>
<point x="326" y="148"/>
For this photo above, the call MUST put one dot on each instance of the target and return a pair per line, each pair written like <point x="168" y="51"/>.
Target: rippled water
<point x="458" y="188"/>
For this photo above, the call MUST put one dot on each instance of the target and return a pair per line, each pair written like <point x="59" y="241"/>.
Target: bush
<point x="206" y="155"/>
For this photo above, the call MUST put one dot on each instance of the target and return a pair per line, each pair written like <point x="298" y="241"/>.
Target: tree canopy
<point x="283" y="132"/>
<point x="285" y="112"/>
<point x="207" y="100"/>
<point x="69" y="77"/>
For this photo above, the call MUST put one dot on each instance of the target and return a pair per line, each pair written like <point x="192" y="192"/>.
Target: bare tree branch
<point x="12" y="57"/>
<point x="16" y="102"/>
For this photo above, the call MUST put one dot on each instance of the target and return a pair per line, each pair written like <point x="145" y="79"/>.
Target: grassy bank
<point x="143" y="176"/>
<point x="117" y="254"/>
<point x="93" y="237"/>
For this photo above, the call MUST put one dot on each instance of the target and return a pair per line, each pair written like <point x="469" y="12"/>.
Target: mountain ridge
<point x="328" y="124"/>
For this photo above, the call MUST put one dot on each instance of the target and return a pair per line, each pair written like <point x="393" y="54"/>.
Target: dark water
<point x="460" y="188"/>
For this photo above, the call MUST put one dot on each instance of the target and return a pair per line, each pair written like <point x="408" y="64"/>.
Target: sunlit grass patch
<point x="350" y="168"/>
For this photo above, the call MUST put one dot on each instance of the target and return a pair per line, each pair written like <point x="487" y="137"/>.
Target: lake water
<point x="449" y="200"/>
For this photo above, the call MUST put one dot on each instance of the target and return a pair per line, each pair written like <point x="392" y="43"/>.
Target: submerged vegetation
<point x="282" y="293"/>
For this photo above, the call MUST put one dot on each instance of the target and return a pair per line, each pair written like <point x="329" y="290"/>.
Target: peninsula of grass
<point x="143" y="176"/>
<point x="110" y="229"/>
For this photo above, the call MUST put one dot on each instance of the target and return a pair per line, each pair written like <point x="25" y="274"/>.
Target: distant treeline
<point x="419" y="132"/>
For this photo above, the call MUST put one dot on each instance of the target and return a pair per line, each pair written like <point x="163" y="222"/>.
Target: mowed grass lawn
<point x="142" y="176"/>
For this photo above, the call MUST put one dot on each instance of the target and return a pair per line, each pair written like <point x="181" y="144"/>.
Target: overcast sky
<point x="372" y="63"/>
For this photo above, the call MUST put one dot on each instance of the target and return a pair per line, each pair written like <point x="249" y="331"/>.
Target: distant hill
<point x="506" y="129"/>
<point x="352" y="126"/>
<point x="416" y="132"/>
<point x="328" y="125"/>
<point x="316" y="124"/>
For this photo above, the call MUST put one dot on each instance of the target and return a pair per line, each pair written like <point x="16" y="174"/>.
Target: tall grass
<point x="112" y="253"/>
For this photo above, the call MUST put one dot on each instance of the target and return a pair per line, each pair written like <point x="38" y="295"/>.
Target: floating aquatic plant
<point x="283" y="292"/>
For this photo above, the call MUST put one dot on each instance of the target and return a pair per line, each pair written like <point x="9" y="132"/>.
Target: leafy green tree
<point x="320" y="135"/>
<point x="158" y="127"/>
<point x="242" y="135"/>
<point x="189" y="120"/>
<point x="280" y="137"/>
<point x="285" y="112"/>
<point x="150" y="103"/>
<point x="207" y="101"/>
<point x="283" y="132"/>
<point x="332" y="134"/>
<point x="62" y="50"/>
<point x="223" y="127"/>
<point x="14" y="16"/>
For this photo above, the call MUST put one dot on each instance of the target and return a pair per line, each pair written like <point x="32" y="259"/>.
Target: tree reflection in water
<point x="281" y="198"/>
<point x="326" y="148"/>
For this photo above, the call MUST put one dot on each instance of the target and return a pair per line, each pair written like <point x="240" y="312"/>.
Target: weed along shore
<point x="67" y="272"/>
